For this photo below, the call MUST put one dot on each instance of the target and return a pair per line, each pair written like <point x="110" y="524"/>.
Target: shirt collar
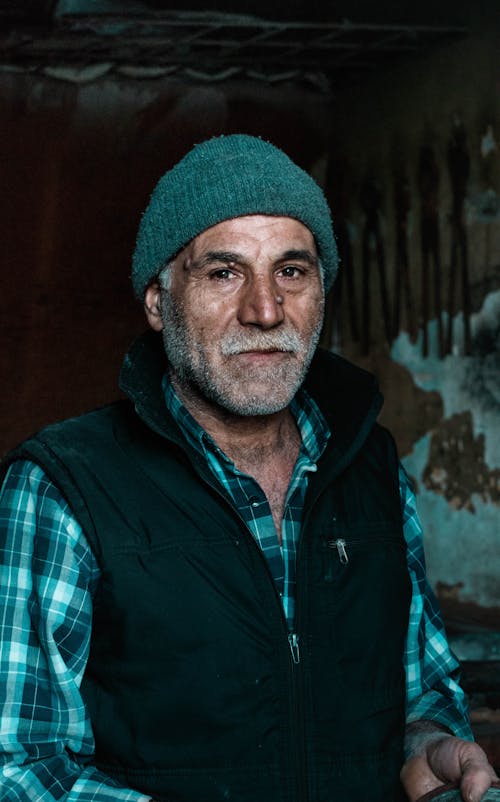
<point x="310" y="421"/>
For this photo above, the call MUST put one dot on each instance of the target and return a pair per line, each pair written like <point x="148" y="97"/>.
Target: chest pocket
<point x="360" y="609"/>
<point x="342" y="551"/>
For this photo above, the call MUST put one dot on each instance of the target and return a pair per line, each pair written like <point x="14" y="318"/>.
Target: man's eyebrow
<point x="299" y="255"/>
<point x="216" y="257"/>
<point x="231" y="257"/>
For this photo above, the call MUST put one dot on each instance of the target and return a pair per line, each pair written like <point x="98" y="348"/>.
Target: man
<point x="167" y="634"/>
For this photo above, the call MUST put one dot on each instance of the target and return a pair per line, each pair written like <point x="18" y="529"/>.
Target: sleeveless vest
<point x="195" y="688"/>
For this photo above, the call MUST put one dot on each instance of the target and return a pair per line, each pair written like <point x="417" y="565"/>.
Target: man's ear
<point x="152" y="306"/>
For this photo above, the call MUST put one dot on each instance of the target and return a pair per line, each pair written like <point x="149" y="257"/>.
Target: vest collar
<point x="348" y="396"/>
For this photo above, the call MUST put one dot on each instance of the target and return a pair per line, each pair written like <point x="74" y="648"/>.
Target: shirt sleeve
<point x="432" y="670"/>
<point x="47" y="576"/>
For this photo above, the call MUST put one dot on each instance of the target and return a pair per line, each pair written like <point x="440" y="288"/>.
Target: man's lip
<point x="261" y="352"/>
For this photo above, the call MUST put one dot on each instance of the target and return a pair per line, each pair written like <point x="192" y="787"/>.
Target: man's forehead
<point x="285" y="233"/>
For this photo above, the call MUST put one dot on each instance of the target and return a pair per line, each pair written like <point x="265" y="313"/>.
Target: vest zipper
<point x="342" y="551"/>
<point x="299" y="753"/>
<point x="293" y="640"/>
<point x="297" y="741"/>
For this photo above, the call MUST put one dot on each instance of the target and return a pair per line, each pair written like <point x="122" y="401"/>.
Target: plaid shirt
<point x="48" y="575"/>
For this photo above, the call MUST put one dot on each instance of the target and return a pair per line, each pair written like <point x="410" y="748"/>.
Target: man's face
<point x="243" y="313"/>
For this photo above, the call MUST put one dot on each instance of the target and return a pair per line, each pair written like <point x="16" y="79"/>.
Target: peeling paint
<point x="456" y="468"/>
<point x="462" y="550"/>
<point x="466" y="384"/>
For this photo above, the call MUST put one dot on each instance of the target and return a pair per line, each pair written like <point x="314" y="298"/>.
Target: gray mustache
<point x="262" y="341"/>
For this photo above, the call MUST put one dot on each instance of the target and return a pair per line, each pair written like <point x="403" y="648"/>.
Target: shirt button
<point x="254" y="501"/>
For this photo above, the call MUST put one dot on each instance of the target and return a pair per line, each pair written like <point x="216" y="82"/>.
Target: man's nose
<point x="261" y="304"/>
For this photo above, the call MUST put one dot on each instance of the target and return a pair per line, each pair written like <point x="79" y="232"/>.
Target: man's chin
<point x="250" y="401"/>
<point x="250" y="408"/>
<point x="256" y="391"/>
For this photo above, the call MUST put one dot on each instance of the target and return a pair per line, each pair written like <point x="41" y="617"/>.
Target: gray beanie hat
<point x="226" y="177"/>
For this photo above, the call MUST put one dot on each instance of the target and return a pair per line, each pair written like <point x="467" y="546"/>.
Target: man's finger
<point x="418" y="778"/>
<point x="462" y="761"/>
<point x="476" y="780"/>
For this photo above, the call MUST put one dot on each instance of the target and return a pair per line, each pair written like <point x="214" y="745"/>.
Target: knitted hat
<point x="222" y="178"/>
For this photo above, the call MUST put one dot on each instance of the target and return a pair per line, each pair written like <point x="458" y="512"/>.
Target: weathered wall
<point x="421" y="146"/>
<point x="79" y="160"/>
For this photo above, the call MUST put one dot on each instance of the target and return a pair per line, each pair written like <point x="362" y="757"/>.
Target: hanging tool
<point x="373" y="246"/>
<point x="402" y="281"/>
<point x="338" y="192"/>
<point x="458" y="168"/>
<point x="428" y="186"/>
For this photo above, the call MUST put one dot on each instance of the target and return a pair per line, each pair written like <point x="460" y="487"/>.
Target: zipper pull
<point x="293" y="640"/>
<point x="344" y="559"/>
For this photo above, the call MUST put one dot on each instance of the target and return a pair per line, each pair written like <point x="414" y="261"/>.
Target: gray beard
<point x="231" y="390"/>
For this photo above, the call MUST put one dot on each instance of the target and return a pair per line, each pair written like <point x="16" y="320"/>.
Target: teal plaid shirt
<point x="48" y="575"/>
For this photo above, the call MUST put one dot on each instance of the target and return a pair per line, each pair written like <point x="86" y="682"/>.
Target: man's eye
<point x="291" y="271"/>
<point x="222" y="274"/>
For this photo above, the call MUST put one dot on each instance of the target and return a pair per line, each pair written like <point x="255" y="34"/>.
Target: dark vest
<point x="196" y="691"/>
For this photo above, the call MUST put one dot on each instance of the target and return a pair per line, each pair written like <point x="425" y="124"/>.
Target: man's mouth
<point x="264" y="351"/>
<point x="265" y="344"/>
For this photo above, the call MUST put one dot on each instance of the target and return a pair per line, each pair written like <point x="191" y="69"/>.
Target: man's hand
<point x="445" y="759"/>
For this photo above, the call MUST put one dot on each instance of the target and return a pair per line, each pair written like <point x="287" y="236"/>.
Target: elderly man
<point x="215" y="589"/>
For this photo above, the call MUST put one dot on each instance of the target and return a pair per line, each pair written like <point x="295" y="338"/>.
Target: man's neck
<point x="264" y="447"/>
<point x="248" y="439"/>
